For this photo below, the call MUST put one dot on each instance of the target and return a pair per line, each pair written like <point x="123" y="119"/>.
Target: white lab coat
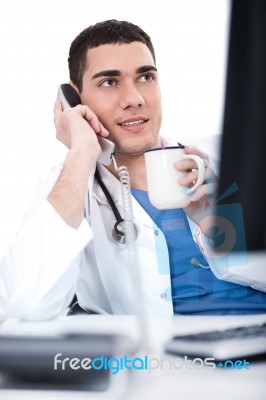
<point x="49" y="261"/>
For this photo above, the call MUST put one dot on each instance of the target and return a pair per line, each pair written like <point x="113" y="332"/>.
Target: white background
<point x="190" y="40"/>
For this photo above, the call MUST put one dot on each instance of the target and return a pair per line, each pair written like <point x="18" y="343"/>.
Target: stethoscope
<point x="119" y="229"/>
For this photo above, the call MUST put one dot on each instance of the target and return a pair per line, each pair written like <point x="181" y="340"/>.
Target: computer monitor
<point x="243" y="150"/>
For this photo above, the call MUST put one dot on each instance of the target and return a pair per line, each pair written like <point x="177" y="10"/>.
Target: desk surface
<point x="165" y="382"/>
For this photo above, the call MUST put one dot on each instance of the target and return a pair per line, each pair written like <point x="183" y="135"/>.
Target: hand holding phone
<point x="69" y="98"/>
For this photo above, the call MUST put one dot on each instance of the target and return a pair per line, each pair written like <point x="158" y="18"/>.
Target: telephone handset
<point x="68" y="97"/>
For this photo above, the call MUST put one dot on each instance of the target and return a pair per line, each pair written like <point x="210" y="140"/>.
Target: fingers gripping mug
<point x="162" y="178"/>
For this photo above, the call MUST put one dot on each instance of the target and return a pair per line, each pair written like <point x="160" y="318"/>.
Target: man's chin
<point x="129" y="153"/>
<point x="135" y="150"/>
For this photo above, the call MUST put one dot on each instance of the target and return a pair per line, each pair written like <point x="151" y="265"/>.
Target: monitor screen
<point x="243" y="150"/>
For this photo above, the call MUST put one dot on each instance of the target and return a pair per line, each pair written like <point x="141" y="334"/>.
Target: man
<point x="59" y="251"/>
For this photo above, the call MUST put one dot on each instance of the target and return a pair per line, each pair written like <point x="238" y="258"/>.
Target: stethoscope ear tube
<point x="108" y="196"/>
<point x="118" y="232"/>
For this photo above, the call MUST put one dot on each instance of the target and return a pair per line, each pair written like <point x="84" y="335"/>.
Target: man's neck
<point x="136" y="170"/>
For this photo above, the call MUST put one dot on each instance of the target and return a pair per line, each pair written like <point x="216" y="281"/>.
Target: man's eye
<point x="147" y="77"/>
<point x="108" y="83"/>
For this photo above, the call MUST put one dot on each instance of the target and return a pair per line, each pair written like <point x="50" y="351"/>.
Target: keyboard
<point x="242" y="341"/>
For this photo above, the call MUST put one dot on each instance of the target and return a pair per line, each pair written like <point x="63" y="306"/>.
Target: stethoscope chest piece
<point x="119" y="231"/>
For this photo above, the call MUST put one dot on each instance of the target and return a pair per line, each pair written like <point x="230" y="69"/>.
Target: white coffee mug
<point x="162" y="178"/>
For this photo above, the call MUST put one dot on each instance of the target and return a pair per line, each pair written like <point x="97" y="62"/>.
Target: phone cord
<point x="130" y="239"/>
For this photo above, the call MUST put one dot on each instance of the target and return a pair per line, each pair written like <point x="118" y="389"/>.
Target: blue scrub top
<point x="196" y="290"/>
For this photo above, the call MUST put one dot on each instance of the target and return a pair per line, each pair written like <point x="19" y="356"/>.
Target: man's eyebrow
<point x="116" y="72"/>
<point x="145" y="68"/>
<point x="108" y="72"/>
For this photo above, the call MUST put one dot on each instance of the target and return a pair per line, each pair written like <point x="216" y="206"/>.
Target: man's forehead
<point x="119" y="56"/>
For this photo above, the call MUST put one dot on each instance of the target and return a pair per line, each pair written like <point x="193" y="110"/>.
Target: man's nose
<point x="131" y="97"/>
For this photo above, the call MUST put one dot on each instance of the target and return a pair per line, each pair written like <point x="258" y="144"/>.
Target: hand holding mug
<point x="164" y="180"/>
<point x="203" y="199"/>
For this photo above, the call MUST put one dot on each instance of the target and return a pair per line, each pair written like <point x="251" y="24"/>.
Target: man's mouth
<point x="132" y="122"/>
<point x="141" y="121"/>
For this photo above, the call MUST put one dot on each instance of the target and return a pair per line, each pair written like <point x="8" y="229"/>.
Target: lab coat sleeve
<point x="39" y="272"/>
<point x="244" y="268"/>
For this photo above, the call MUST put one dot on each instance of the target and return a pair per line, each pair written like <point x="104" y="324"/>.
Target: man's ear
<point x="74" y="86"/>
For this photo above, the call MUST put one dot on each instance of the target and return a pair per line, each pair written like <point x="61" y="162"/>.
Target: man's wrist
<point x="84" y="154"/>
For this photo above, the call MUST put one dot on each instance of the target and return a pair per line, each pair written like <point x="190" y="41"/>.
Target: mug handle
<point x="201" y="170"/>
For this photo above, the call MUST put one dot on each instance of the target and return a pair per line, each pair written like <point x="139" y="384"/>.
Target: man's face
<point x="121" y="87"/>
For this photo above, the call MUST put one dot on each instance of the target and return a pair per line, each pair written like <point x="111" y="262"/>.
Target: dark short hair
<point x="106" y="32"/>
